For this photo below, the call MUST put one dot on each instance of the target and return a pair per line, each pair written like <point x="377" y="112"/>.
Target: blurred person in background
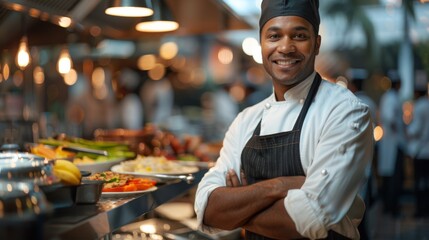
<point x="225" y="108"/>
<point x="131" y="107"/>
<point x="219" y="110"/>
<point x="418" y="149"/>
<point x="391" y="146"/>
<point x="158" y="100"/>
<point x="292" y="165"/>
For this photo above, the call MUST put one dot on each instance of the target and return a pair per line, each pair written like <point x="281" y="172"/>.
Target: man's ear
<point x="318" y="42"/>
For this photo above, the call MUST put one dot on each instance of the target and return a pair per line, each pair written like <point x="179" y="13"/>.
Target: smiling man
<point x="291" y="166"/>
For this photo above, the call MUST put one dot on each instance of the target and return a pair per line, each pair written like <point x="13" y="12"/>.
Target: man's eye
<point x="273" y="36"/>
<point x="300" y="36"/>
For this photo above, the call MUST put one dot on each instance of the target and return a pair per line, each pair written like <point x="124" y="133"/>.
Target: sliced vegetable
<point x="115" y="182"/>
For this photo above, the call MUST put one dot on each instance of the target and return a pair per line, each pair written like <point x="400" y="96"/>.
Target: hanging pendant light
<point x="23" y="55"/>
<point x="161" y="21"/>
<point x="129" y="8"/>
<point x="65" y="63"/>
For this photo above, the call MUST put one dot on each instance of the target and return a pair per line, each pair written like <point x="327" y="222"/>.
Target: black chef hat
<point x="307" y="9"/>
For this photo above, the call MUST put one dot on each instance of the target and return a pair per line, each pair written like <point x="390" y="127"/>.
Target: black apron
<point x="276" y="155"/>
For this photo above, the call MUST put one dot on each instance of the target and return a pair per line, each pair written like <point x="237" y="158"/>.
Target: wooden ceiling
<point x="36" y="19"/>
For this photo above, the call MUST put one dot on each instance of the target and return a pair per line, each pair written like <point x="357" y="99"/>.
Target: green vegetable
<point x="113" y="180"/>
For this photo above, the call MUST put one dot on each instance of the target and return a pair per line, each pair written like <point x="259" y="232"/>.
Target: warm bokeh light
<point x="157" y="72"/>
<point x="146" y="62"/>
<point x="71" y="77"/>
<point x="65" y="63"/>
<point x="33" y="12"/>
<point x="157" y="26"/>
<point x="129" y="11"/>
<point x="249" y="44"/>
<point x="16" y="7"/>
<point x="98" y="81"/>
<point x="38" y="75"/>
<point x="238" y="92"/>
<point x="168" y="50"/>
<point x="23" y="55"/>
<point x="64" y="22"/>
<point x="6" y="71"/>
<point x="378" y="133"/>
<point x="178" y="63"/>
<point x="407" y="109"/>
<point x="225" y="55"/>
<point x="98" y="78"/>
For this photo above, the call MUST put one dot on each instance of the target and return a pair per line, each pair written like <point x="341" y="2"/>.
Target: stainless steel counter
<point x="100" y="220"/>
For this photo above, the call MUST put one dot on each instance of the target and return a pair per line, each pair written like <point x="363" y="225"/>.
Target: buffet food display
<point x="69" y="174"/>
<point x="153" y="165"/>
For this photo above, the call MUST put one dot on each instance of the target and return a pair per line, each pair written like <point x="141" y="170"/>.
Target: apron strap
<point x="310" y="96"/>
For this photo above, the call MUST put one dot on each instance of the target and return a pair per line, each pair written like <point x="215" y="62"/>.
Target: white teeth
<point x="284" y="62"/>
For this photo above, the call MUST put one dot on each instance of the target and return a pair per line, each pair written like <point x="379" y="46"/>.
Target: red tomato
<point x="115" y="189"/>
<point x="143" y="186"/>
<point x="143" y="180"/>
<point x="135" y="184"/>
<point x="130" y="188"/>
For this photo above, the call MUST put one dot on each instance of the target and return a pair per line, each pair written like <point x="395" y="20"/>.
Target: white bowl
<point x="98" y="167"/>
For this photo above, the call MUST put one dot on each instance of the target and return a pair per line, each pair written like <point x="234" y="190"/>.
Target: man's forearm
<point x="273" y="222"/>
<point x="231" y="207"/>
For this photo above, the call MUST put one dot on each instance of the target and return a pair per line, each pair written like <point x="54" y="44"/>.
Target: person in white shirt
<point x="291" y="166"/>
<point x="418" y="149"/>
<point x="391" y="150"/>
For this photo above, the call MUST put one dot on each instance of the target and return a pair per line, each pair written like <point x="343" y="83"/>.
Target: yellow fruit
<point x="66" y="176"/>
<point x="65" y="165"/>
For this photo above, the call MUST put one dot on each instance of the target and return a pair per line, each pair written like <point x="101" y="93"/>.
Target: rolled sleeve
<point x="200" y="206"/>
<point x="305" y="215"/>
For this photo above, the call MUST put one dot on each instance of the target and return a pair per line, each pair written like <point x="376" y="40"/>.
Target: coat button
<point x="355" y="126"/>
<point x="324" y="172"/>
<point x="301" y="101"/>
<point x="267" y="105"/>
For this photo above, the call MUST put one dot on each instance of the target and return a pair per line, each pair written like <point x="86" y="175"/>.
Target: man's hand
<point x="232" y="179"/>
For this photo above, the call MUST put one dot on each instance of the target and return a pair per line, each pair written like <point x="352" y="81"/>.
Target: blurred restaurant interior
<point x="69" y="68"/>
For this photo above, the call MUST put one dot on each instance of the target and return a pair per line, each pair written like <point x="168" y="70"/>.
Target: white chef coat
<point x="336" y="146"/>
<point x="418" y="130"/>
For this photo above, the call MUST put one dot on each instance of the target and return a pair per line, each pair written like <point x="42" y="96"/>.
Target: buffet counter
<point x="96" y="221"/>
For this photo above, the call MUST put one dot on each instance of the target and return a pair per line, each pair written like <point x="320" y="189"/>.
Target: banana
<point x="68" y="166"/>
<point x="66" y="176"/>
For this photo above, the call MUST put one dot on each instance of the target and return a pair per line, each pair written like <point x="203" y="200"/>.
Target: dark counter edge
<point x="104" y="222"/>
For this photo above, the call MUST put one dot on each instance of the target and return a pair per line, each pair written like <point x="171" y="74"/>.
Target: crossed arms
<point x="258" y="208"/>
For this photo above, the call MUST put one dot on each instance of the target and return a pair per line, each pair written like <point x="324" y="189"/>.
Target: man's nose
<point x="286" y="45"/>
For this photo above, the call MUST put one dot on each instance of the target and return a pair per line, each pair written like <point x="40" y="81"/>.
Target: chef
<point x="291" y="165"/>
